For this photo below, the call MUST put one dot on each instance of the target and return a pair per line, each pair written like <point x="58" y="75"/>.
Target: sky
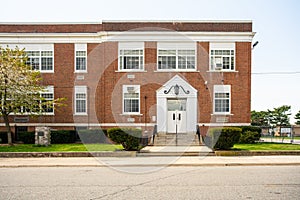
<point x="275" y="60"/>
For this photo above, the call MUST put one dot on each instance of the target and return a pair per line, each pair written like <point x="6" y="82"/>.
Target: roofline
<point x="177" y="21"/>
<point x="127" y="21"/>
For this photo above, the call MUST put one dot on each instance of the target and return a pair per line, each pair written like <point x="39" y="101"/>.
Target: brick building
<point x="173" y="74"/>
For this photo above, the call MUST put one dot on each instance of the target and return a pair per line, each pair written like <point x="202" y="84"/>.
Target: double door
<point x="176" y="115"/>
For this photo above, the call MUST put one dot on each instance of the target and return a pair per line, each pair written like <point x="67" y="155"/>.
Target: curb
<point x="158" y="165"/>
<point x="145" y="154"/>
<point x="67" y="154"/>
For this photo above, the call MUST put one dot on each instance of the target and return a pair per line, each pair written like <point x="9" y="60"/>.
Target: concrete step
<point x="183" y="139"/>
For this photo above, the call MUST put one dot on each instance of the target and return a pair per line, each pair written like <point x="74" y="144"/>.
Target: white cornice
<point x="125" y="36"/>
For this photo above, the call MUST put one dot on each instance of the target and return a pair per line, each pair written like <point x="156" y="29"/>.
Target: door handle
<point x="179" y="116"/>
<point x="173" y="116"/>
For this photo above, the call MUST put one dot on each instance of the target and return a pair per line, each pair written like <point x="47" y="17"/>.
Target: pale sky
<point x="275" y="61"/>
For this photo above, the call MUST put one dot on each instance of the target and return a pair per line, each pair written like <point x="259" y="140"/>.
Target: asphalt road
<point x="235" y="182"/>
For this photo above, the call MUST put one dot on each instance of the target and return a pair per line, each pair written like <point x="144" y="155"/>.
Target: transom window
<point x="172" y="56"/>
<point x="222" y="99"/>
<point x="80" y="57"/>
<point x="131" y="99"/>
<point x="222" y="56"/>
<point x="131" y="56"/>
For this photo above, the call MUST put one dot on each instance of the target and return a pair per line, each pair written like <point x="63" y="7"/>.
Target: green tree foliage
<point x="280" y="116"/>
<point x="272" y="118"/>
<point x="297" y="118"/>
<point x="20" y="87"/>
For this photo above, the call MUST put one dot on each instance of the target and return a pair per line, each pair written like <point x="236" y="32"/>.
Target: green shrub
<point x="93" y="136"/>
<point x="250" y="134"/>
<point x="27" y="137"/>
<point x="224" y="138"/>
<point x="129" y="138"/>
<point x="3" y="137"/>
<point x="249" y="137"/>
<point x="63" y="137"/>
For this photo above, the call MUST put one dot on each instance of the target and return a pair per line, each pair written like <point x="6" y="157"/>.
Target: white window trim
<point x="80" y="47"/>
<point x="80" y="90"/>
<point x="131" y="46"/>
<point x="222" y="89"/>
<point x="49" y="90"/>
<point x="176" y="46"/>
<point x="222" y="46"/>
<point x="136" y="88"/>
<point x="36" y="47"/>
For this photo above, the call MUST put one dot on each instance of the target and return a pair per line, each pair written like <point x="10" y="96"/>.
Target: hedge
<point x="63" y="136"/>
<point x="129" y="138"/>
<point x="250" y="134"/>
<point x="223" y="138"/>
<point x="93" y="136"/>
<point x="27" y="137"/>
<point x="3" y="138"/>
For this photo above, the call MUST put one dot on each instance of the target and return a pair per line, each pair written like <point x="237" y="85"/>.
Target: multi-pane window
<point x="131" y="99"/>
<point x="222" y="56"/>
<point x="222" y="99"/>
<point x="172" y="56"/>
<point x="131" y="56"/>
<point x="47" y="97"/>
<point x="80" y="57"/>
<point x="40" y="60"/>
<point x="80" y="100"/>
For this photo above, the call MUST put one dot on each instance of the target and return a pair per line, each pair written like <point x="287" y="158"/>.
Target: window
<point x="47" y="96"/>
<point x="80" y="57"/>
<point x="80" y="100"/>
<point x="40" y="60"/>
<point x="222" y="99"/>
<point x="173" y="56"/>
<point x="131" y="56"/>
<point x="222" y="56"/>
<point x="131" y="99"/>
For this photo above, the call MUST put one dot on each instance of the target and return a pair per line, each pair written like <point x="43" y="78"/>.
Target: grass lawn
<point x="60" y="148"/>
<point x="266" y="146"/>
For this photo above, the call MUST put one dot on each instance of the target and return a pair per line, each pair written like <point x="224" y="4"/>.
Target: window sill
<point x="168" y="71"/>
<point x="131" y="114"/>
<point x="80" y="72"/>
<point x="45" y="72"/>
<point x="226" y="71"/>
<point x="80" y="114"/>
<point x="215" y="114"/>
<point x="131" y="71"/>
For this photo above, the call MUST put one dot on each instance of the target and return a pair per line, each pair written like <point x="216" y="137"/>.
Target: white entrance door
<point x="176" y="115"/>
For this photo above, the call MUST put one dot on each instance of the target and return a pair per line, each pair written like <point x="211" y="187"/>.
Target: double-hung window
<point x="80" y="100"/>
<point x="80" y="57"/>
<point x="176" y="56"/>
<point x="222" y="56"/>
<point x="131" y="56"/>
<point x="222" y="99"/>
<point x="47" y="97"/>
<point x="131" y="99"/>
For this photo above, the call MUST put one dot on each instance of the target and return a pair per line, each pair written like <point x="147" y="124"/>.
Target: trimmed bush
<point x="224" y="138"/>
<point x="63" y="137"/>
<point x="3" y="137"/>
<point x="250" y="134"/>
<point x="27" y="137"/>
<point x="93" y="136"/>
<point x="129" y="138"/>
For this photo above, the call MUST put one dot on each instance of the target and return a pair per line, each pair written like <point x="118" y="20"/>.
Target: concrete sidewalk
<point x="150" y="161"/>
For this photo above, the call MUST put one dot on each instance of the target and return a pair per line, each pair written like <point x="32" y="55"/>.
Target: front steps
<point x="169" y="139"/>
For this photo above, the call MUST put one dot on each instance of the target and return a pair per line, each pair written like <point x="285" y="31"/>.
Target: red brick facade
<point x="105" y="81"/>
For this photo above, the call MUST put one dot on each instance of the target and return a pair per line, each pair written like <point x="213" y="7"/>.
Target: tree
<point x="20" y="87"/>
<point x="259" y="118"/>
<point x="280" y="116"/>
<point x="297" y="117"/>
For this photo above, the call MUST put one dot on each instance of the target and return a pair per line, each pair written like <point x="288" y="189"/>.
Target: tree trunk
<point x="6" y="120"/>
